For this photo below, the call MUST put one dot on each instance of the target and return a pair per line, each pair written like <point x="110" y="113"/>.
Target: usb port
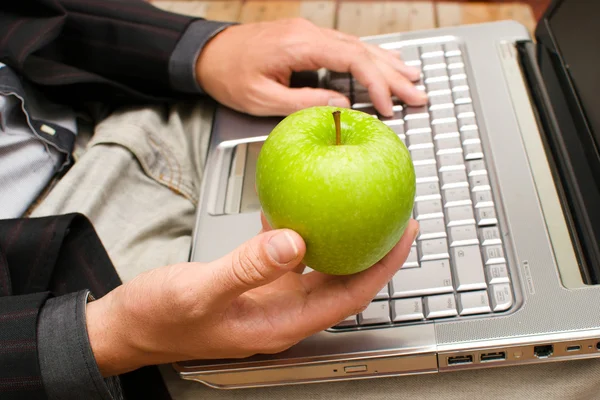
<point x="574" y="348"/>
<point x="490" y="357"/>
<point x="457" y="360"/>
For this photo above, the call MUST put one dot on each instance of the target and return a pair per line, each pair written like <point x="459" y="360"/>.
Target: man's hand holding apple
<point x="248" y="302"/>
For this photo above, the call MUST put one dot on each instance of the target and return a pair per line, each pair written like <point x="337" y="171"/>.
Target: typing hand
<point x="248" y="68"/>
<point x="253" y="300"/>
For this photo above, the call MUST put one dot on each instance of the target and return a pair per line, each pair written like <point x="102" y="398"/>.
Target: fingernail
<point x="339" y="102"/>
<point x="282" y="248"/>
<point x="419" y="94"/>
<point x="416" y="233"/>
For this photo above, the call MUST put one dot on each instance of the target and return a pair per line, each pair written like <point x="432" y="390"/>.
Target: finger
<point x="352" y="57"/>
<point x="393" y="58"/>
<point x="401" y="87"/>
<point x="339" y="297"/>
<point x="282" y="100"/>
<point x="255" y="263"/>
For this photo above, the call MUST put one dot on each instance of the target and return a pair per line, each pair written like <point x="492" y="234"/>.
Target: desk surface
<point x="360" y="18"/>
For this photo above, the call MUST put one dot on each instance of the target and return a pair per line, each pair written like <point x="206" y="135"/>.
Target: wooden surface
<point x="361" y="18"/>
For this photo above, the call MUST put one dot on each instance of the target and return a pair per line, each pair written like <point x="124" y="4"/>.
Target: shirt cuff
<point x="182" y="64"/>
<point x="67" y="363"/>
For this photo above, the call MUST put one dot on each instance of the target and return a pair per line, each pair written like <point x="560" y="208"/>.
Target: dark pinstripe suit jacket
<point x="63" y="46"/>
<point x="41" y="258"/>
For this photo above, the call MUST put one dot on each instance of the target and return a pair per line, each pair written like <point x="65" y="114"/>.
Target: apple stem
<point x="338" y="128"/>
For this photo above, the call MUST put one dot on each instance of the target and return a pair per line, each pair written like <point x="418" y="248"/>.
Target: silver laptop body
<point x="494" y="278"/>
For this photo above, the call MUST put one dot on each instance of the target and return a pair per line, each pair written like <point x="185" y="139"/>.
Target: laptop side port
<point x="575" y="347"/>
<point x="491" y="357"/>
<point x="543" y="351"/>
<point x="458" y="360"/>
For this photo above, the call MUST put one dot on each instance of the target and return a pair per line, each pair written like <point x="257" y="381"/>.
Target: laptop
<point x="506" y="268"/>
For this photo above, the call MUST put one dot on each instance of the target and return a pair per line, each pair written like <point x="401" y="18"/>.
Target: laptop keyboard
<point x="457" y="265"/>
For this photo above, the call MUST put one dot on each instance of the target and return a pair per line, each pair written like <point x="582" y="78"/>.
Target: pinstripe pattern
<point x="63" y="46"/>
<point x="39" y="258"/>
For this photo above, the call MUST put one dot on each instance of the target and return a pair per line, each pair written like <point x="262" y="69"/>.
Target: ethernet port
<point x="543" y="351"/>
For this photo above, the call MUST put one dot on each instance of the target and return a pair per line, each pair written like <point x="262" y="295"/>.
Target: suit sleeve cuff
<point x="69" y="370"/>
<point x="182" y="64"/>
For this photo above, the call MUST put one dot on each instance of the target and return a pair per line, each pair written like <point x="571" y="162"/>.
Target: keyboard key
<point x="439" y="85"/>
<point x="446" y="126"/>
<point x="479" y="183"/>
<point x="459" y="82"/>
<point x="440" y="306"/>
<point x="426" y="173"/>
<point x="452" y="49"/>
<point x="432" y="278"/>
<point x="461" y="96"/>
<point x="493" y="255"/>
<point x="490" y="236"/>
<point x="435" y="101"/>
<point x="486" y="216"/>
<point x="457" y="196"/>
<point x="414" y="126"/>
<point x="457" y="70"/>
<point x="463" y="235"/>
<point x="419" y="139"/>
<point x="427" y="191"/>
<point x="422" y="154"/>
<point x="501" y="296"/>
<point x="467" y="123"/>
<point x="377" y="312"/>
<point x="409" y="54"/>
<point x="455" y="62"/>
<point x="468" y="268"/>
<point x="432" y="229"/>
<point x="451" y="161"/>
<point x="348" y="322"/>
<point x="443" y="143"/>
<point x="384" y="293"/>
<point x="452" y="179"/>
<point x="428" y="209"/>
<point x="416" y="112"/>
<point x="496" y="273"/>
<point x="473" y="151"/>
<point x="476" y="167"/>
<point x="465" y="111"/>
<point x="460" y="215"/>
<point x="433" y="249"/>
<point x="483" y="198"/>
<point x="435" y="62"/>
<point x="407" y="309"/>
<point x="431" y="50"/>
<point x="412" y="261"/>
<point x="470" y="137"/>
<point x="434" y="79"/>
<point x="473" y="303"/>
<point x="398" y="129"/>
<point x="435" y="73"/>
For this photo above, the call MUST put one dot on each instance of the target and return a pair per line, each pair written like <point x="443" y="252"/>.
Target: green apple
<point x="351" y="201"/>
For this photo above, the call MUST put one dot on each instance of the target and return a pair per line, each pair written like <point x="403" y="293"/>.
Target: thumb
<point x="283" y="100"/>
<point x="257" y="262"/>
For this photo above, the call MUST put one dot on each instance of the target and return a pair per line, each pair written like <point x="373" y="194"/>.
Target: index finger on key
<point x="352" y="57"/>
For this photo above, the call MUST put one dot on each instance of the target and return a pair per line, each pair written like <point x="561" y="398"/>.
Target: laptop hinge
<point x="572" y="200"/>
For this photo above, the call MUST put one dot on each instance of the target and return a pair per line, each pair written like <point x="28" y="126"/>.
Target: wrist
<point x="109" y="331"/>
